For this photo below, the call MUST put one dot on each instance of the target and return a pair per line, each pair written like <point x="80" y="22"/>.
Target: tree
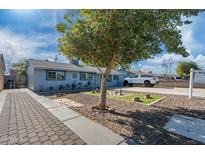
<point x="21" y="67"/>
<point x="109" y="38"/>
<point x="183" y="68"/>
<point x="167" y="63"/>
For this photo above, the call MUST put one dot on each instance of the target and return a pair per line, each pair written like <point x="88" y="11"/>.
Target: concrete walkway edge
<point x="3" y="95"/>
<point x="88" y="130"/>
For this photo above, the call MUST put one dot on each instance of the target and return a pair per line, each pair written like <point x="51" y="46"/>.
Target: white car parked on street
<point x="147" y="80"/>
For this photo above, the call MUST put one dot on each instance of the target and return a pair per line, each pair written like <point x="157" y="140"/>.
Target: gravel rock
<point x="140" y="122"/>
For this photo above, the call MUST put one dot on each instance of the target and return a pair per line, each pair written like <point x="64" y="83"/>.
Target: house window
<point x="51" y="76"/>
<point x="55" y="75"/>
<point x="116" y="77"/>
<point x="109" y="79"/>
<point x="82" y="76"/>
<point x="60" y="75"/>
<point x="86" y="76"/>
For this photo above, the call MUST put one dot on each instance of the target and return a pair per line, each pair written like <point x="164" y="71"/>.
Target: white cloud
<point x="16" y="46"/>
<point x="169" y="58"/>
<point x="189" y="40"/>
<point x="155" y="64"/>
<point x="192" y="43"/>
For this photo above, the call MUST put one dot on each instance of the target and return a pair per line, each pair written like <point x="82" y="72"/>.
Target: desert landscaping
<point x="143" y="123"/>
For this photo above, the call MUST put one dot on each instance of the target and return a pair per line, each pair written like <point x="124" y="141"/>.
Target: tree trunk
<point x="102" y="103"/>
<point x="105" y="75"/>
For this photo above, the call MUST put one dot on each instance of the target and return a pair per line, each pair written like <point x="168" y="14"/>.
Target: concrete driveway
<point x="173" y="91"/>
<point x="27" y="118"/>
<point x="23" y="120"/>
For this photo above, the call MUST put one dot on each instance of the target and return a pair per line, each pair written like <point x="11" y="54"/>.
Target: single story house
<point x="52" y="76"/>
<point x="2" y="70"/>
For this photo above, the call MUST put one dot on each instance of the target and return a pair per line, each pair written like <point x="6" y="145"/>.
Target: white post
<point x="191" y="80"/>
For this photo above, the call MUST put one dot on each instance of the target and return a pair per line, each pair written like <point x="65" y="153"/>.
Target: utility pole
<point x="56" y="58"/>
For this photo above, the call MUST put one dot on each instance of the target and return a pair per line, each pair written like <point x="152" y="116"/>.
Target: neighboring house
<point x="199" y="77"/>
<point x="124" y="72"/>
<point x="12" y="80"/>
<point x="2" y="70"/>
<point x="141" y="72"/>
<point x="49" y="76"/>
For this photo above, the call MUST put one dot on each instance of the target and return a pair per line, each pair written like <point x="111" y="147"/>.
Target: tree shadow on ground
<point x="147" y="126"/>
<point x="142" y="123"/>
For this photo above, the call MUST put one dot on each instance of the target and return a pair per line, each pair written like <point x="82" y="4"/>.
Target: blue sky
<point x="32" y="34"/>
<point x="29" y="34"/>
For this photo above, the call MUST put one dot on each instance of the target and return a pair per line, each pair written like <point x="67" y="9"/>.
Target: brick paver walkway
<point x="24" y="121"/>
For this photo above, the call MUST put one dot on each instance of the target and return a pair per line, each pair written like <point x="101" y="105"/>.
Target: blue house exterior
<point x="51" y="76"/>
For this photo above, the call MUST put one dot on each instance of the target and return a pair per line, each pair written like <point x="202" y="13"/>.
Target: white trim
<point x="191" y="80"/>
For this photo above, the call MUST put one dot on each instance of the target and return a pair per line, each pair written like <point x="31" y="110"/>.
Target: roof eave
<point x="72" y="70"/>
<point x="61" y="69"/>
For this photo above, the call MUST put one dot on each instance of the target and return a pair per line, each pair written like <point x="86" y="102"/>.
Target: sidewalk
<point x="32" y="119"/>
<point x="171" y="91"/>
<point x="24" y="121"/>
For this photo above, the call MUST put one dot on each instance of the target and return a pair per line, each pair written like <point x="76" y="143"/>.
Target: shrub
<point x="61" y="87"/>
<point x="51" y="88"/>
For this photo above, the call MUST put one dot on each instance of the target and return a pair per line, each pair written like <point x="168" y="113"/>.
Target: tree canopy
<point x="130" y="34"/>
<point x="21" y="67"/>
<point x="109" y="38"/>
<point x="183" y="68"/>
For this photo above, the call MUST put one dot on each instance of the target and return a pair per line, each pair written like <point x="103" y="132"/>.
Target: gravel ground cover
<point x="141" y="122"/>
